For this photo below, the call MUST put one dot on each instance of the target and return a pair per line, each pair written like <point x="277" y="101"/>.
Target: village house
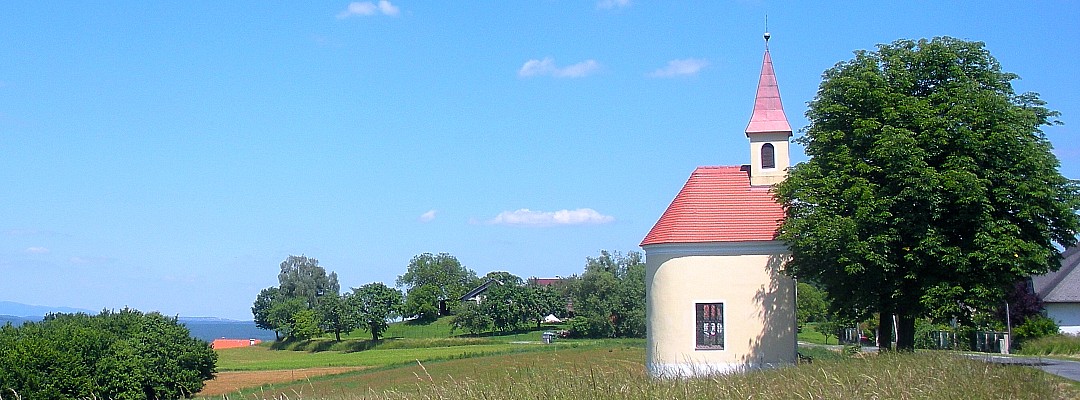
<point x="1060" y="292"/>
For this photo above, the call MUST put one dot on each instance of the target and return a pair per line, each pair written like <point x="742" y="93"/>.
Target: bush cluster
<point x="113" y="355"/>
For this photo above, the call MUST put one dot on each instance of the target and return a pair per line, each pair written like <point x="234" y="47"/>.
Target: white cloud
<point x="428" y="216"/>
<point x="688" y="66"/>
<point x="547" y="67"/>
<point x="387" y="8"/>
<point x="527" y="217"/>
<point x="367" y="9"/>
<point x="37" y="250"/>
<point x="611" y="4"/>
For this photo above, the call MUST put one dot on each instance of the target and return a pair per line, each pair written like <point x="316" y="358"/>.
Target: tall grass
<point x="1057" y="345"/>
<point x="890" y="376"/>
<point x="923" y="375"/>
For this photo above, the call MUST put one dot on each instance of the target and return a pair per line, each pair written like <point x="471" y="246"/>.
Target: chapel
<point x="716" y="300"/>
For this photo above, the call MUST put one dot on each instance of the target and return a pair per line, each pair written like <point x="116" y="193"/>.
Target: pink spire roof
<point x="768" y="111"/>
<point x="718" y="204"/>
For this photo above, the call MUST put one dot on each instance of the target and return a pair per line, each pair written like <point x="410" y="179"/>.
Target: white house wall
<point x="1067" y="316"/>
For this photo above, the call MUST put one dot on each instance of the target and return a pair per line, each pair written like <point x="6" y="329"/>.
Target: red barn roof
<point x="223" y="343"/>
<point x="718" y="204"/>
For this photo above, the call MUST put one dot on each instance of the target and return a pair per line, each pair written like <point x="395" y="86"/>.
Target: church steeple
<point x="768" y="129"/>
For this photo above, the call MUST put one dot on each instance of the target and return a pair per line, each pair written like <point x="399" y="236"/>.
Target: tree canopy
<point x="112" y="355"/>
<point x="609" y="297"/>
<point x="375" y="304"/>
<point x="442" y="271"/>
<point x="302" y="277"/>
<point x="929" y="184"/>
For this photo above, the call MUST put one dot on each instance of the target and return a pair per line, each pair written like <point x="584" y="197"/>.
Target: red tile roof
<point x="545" y="281"/>
<point x="223" y="343"/>
<point x="768" y="110"/>
<point x="718" y="204"/>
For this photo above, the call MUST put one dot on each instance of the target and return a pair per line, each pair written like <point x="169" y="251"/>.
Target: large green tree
<point x="929" y="184"/>
<point x="336" y="315"/>
<point x="609" y="297"/>
<point x="265" y="302"/>
<point x="375" y="304"/>
<point x="422" y="303"/>
<point x="302" y="277"/>
<point x="442" y="271"/>
<point x="112" y="355"/>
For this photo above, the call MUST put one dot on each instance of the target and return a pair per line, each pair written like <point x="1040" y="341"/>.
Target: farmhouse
<point x="1060" y="292"/>
<point x="716" y="300"/>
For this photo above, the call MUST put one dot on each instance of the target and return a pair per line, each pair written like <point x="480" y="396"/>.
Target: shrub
<point x="590" y="327"/>
<point x="1035" y="327"/>
<point x="114" y="355"/>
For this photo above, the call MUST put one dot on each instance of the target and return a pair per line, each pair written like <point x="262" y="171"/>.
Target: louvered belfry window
<point x="710" y="326"/>
<point x="768" y="156"/>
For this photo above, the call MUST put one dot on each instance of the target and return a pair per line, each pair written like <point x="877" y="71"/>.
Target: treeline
<point x="113" y="355"/>
<point x="606" y="300"/>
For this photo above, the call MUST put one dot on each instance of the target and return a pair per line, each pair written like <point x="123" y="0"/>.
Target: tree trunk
<point x="885" y="324"/>
<point x="905" y="332"/>
<point x="885" y="331"/>
<point x="337" y="334"/>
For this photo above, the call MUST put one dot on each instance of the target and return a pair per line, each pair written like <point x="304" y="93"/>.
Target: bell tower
<point x="769" y="132"/>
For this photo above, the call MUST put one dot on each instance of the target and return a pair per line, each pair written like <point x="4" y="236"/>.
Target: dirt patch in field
<point x="231" y="381"/>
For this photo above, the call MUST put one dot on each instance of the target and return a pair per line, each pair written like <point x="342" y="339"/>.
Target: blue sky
<point x="168" y="156"/>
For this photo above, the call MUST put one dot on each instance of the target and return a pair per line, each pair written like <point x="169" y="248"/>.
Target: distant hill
<point x="13" y="320"/>
<point x="25" y="310"/>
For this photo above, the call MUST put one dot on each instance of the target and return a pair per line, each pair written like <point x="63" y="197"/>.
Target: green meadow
<point x="412" y="366"/>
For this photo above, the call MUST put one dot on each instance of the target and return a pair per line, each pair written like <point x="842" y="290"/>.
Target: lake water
<point x="210" y="330"/>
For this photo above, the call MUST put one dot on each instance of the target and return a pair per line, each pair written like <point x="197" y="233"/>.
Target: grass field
<point x="415" y="365"/>
<point x="261" y="358"/>
<point x="616" y="371"/>
<point x="810" y="334"/>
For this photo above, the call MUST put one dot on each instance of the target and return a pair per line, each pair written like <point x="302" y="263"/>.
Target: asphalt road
<point x="1063" y="368"/>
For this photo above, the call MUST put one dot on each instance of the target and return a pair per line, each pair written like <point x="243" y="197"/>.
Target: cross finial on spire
<point x="767" y="35"/>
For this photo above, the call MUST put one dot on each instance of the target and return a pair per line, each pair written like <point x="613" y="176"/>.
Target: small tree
<point x="813" y="305"/>
<point x="375" y="304"/>
<point x="261" y="310"/>
<point x="471" y="318"/>
<point x="422" y="303"/>
<point x="305" y="325"/>
<point x="282" y="315"/>
<point x="336" y="316"/>
<point x="609" y="298"/>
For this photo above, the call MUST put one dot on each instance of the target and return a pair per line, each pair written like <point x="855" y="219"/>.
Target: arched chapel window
<point x="768" y="156"/>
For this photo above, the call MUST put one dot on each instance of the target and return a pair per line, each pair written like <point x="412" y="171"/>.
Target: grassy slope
<point x="407" y="342"/>
<point x="810" y="334"/>
<point x="406" y="377"/>
<point x="262" y="358"/>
